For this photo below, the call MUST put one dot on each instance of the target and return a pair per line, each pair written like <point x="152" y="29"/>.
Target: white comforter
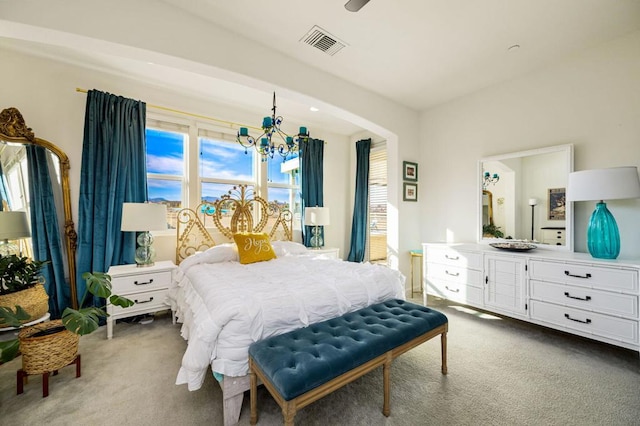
<point x="225" y="306"/>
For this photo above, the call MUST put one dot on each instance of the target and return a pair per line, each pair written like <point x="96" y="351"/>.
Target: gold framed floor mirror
<point x="15" y="135"/>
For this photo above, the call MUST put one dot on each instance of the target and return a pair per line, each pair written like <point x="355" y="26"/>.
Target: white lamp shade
<point x="316" y="216"/>
<point x="14" y="225"/>
<point x="138" y="217"/>
<point x="533" y="201"/>
<point x="604" y="184"/>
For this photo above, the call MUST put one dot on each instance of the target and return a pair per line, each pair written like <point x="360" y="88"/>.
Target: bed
<point x="225" y="305"/>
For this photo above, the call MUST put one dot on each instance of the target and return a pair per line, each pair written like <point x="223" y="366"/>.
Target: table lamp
<point x="13" y="226"/>
<point x="144" y="217"/>
<point x="316" y="216"/>
<point x="603" y="237"/>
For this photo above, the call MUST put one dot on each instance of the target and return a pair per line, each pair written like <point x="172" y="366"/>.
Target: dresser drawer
<point x="126" y="284"/>
<point x="563" y="317"/>
<point x="625" y="305"/>
<point x="455" y="291"/>
<point x="148" y="301"/>
<point x="451" y="256"/>
<point x="454" y="274"/>
<point x="585" y="275"/>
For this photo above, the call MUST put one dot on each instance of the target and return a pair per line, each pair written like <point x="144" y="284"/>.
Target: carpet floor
<point x="501" y="372"/>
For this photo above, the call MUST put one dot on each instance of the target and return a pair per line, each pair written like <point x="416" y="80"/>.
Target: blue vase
<point x="603" y="238"/>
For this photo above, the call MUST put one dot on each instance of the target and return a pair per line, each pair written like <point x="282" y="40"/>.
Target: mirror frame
<point x="14" y="129"/>
<point x="568" y="149"/>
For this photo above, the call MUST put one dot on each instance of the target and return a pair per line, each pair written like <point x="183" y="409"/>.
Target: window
<point x="378" y="204"/>
<point x="166" y="170"/>
<point x="189" y="163"/>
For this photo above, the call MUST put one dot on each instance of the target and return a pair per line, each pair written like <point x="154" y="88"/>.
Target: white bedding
<point x="225" y="306"/>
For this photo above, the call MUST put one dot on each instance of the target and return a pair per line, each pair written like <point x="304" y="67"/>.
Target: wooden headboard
<point x="239" y="210"/>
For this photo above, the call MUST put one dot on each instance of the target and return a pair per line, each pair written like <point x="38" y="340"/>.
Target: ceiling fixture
<point x="322" y="40"/>
<point x="488" y="179"/>
<point x="355" y="5"/>
<point x="272" y="140"/>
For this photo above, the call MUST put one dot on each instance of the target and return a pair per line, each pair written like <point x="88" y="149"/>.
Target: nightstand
<point x="327" y="252"/>
<point x="147" y="287"/>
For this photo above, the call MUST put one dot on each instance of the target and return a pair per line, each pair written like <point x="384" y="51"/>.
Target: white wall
<point x="591" y="99"/>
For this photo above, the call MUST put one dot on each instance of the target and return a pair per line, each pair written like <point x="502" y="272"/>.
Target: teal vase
<point x="603" y="238"/>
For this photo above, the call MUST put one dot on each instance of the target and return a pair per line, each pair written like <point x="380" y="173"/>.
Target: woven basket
<point x="34" y="300"/>
<point x="47" y="353"/>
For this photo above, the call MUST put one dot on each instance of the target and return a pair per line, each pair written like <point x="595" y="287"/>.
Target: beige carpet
<point x="501" y="372"/>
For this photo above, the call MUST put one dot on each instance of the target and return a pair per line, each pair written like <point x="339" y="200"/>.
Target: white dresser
<point x="572" y="292"/>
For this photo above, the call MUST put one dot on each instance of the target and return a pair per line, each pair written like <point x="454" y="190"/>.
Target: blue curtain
<point x="45" y="232"/>
<point x="361" y="204"/>
<point x="311" y="160"/>
<point x="113" y="171"/>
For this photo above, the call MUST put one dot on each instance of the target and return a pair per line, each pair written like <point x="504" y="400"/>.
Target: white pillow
<point x="288" y="248"/>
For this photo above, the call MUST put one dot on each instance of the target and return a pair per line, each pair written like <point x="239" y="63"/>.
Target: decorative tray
<point x="513" y="246"/>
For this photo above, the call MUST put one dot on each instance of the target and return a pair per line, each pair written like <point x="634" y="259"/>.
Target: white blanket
<point x="225" y="306"/>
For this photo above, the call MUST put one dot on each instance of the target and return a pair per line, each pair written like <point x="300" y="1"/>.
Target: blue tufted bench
<point x="307" y="364"/>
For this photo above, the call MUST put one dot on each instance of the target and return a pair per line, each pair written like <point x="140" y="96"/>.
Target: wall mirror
<point x="18" y="166"/>
<point x="522" y="197"/>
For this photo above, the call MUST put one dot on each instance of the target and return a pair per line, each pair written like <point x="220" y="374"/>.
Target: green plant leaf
<point x="13" y="319"/>
<point x="120" y="301"/>
<point x="83" y="321"/>
<point x="98" y="283"/>
<point x="9" y="350"/>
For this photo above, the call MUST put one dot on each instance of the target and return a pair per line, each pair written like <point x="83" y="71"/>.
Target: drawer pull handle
<point x="567" y="273"/>
<point x="143" y="301"/>
<point x="452" y="257"/>
<point x="586" y="298"/>
<point x="144" y="282"/>
<point x="588" y="321"/>
<point x="457" y="290"/>
<point x="453" y="275"/>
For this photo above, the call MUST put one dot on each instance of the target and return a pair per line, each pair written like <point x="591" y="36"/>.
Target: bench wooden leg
<point x="21" y="378"/>
<point x="289" y="412"/>
<point x="253" y="395"/>
<point x="443" y="347"/>
<point x="386" y="378"/>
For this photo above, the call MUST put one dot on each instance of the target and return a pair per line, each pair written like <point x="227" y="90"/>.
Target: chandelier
<point x="272" y="140"/>
<point x="488" y="179"/>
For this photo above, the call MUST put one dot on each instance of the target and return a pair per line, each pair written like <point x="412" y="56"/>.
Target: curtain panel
<point x="45" y="230"/>
<point x="311" y="175"/>
<point x="113" y="171"/>
<point x="361" y="204"/>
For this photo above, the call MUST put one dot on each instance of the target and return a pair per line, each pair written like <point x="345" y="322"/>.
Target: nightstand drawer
<point x="149" y="301"/>
<point x="142" y="282"/>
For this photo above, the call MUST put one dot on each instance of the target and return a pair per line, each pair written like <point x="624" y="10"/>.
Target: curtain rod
<point x="190" y="114"/>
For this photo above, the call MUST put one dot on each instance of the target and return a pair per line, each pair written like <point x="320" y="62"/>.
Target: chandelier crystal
<point x="272" y="140"/>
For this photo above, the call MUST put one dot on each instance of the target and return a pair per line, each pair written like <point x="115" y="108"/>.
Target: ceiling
<point x="416" y="53"/>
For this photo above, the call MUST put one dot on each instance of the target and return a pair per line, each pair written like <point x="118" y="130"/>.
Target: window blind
<point x="377" y="240"/>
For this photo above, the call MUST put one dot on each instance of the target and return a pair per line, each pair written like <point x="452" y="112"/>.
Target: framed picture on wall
<point x="410" y="192"/>
<point x="410" y="171"/>
<point x="556" y="204"/>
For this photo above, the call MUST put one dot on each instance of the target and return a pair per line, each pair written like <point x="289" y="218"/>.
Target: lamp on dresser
<point x="603" y="237"/>
<point x="144" y="217"/>
<point x="316" y="216"/>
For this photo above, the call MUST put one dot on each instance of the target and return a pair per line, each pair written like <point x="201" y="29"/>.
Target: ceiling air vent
<point x="322" y="40"/>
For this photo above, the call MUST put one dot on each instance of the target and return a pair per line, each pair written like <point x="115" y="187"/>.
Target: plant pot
<point x="50" y="352"/>
<point x="34" y="300"/>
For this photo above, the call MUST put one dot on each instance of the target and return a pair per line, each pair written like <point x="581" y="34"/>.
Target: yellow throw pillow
<point x="253" y="247"/>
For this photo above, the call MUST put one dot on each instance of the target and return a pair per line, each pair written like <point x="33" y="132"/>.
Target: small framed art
<point x="556" y="204"/>
<point x="410" y="192"/>
<point x="410" y="171"/>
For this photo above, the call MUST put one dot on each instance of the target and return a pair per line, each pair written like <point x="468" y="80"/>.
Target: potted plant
<point x="74" y="323"/>
<point x="21" y="284"/>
